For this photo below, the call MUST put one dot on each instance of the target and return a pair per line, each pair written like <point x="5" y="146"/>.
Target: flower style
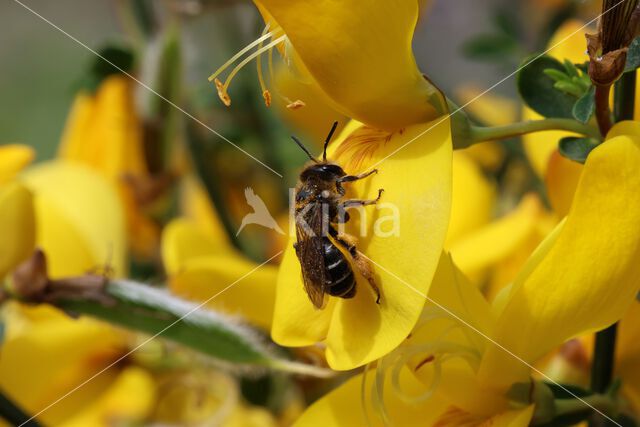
<point x="481" y="375"/>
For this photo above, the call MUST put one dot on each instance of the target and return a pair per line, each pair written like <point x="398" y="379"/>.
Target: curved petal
<point x="585" y="277"/>
<point x="495" y="242"/>
<point x="87" y="208"/>
<point x="359" y="53"/>
<point x="183" y="240"/>
<point x="206" y="278"/>
<point x="401" y="248"/>
<point x="567" y="43"/>
<point x="17" y="226"/>
<point x="473" y="198"/>
<point x="46" y="354"/>
<point x="129" y="399"/>
<point x="345" y="406"/>
<point x="403" y="237"/>
<point x="317" y="111"/>
<point x="13" y="158"/>
<point x="561" y="181"/>
<point x="195" y="205"/>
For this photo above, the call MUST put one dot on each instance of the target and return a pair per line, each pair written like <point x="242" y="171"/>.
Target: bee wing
<point x="310" y="254"/>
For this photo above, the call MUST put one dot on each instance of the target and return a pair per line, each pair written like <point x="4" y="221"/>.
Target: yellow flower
<point x="104" y="132"/>
<point x="560" y="293"/>
<point x="336" y="43"/>
<point x="358" y="330"/>
<point x="200" y="263"/>
<point x="492" y="256"/>
<point x="79" y="223"/>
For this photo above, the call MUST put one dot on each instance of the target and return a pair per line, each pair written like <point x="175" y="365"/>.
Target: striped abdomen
<point x="339" y="276"/>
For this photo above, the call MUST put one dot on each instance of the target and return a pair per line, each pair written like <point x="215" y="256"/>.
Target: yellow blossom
<point x="358" y="330"/>
<point x="104" y="132"/>
<point x="78" y="221"/>
<point x="470" y="378"/>
<point x="334" y="43"/>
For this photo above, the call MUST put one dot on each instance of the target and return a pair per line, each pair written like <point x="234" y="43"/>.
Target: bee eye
<point x="325" y="194"/>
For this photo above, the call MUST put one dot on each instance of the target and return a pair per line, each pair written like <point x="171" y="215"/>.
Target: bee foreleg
<point x="351" y="178"/>
<point x="354" y="202"/>
<point x="361" y="262"/>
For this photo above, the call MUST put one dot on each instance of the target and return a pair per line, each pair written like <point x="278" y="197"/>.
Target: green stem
<point x="13" y="414"/>
<point x="480" y="134"/>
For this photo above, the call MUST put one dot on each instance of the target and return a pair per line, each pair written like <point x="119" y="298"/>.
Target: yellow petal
<point x="75" y="144"/>
<point x="567" y="43"/>
<point x="128" y="400"/>
<point x="311" y="119"/>
<point x="359" y="329"/>
<point x="343" y="407"/>
<point x="183" y="240"/>
<point x="561" y="181"/>
<point x="195" y="205"/>
<point x="457" y="315"/>
<point x="78" y="212"/>
<point x="17" y="226"/>
<point x="46" y="354"/>
<point x="585" y="278"/>
<point x="359" y="53"/>
<point x="498" y="240"/>
<point x="13" y="158"/>
<point x="514" y="418"/>
<point x="472" y="200"/>
<point x="251" y="297"/>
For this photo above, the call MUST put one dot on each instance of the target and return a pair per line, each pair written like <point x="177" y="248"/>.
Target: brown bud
<point x="604" y="69"/>
<point x="30" y="278"/>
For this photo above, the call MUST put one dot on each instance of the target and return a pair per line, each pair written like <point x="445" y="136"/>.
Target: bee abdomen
<point x="339" y="275"/>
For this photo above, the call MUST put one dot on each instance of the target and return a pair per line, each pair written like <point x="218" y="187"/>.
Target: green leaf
<point x="158" y="313"/>
<point x="537" y="89"/>
<point x="490" y="47"/>
<point x="633" y="56"/>
<point x="584" y="108"/>
<point x="577" y="149"/>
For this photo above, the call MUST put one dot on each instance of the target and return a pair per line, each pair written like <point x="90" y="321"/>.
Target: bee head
<point x="322" y="172"/>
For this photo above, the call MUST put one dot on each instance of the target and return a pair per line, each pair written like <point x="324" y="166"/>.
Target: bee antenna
<point x="297" y="141"/>
<point x="326" y="141"/>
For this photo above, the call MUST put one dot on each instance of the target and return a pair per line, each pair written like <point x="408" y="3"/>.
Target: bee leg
<point x="349" y="203"/>
<point x="361" y="263"/>
<point x="351" y="178"/>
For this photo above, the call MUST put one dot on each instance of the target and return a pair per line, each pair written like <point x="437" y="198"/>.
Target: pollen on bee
<point x="295" y="105"/>
<point x="222" y="93"/>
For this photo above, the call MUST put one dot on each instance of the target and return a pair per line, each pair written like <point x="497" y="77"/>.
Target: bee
<point x="319" y="208"/>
